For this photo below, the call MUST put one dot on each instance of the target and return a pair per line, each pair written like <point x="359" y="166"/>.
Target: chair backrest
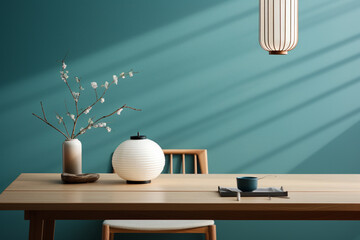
<point x="200" y="155"/>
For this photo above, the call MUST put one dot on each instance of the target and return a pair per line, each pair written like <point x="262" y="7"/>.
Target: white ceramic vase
<point x="72" y="156"/>
<point x="138" y="160"/>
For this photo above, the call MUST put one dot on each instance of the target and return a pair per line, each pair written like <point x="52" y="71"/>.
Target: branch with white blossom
<point x="61" y="120"/>
<point x="93" y="123"/>
<point x="106" y="86"/>
<point x="76" y="96"/>
<point x="46" y="121"/>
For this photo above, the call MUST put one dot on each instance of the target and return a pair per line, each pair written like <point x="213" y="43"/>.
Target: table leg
<point x="48" y="229"/>
<point x="36" y="227"/>
<point x="41" y="227"/>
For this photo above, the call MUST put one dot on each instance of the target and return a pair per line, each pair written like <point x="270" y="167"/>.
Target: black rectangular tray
<point x="260" y="192"/>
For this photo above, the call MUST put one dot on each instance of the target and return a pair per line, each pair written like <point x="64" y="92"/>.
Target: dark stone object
<point x="138" y="182"/>
<point x="79" y="178"/>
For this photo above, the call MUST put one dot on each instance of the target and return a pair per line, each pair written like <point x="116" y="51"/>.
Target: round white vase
<point x="72" y="156"/>
<point x="138" y="160"/>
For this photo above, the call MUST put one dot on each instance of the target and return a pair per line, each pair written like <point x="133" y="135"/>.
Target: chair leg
<point x="106" y="232"/>
<point x="212" y="232"/>
<point x="207" y="235"/>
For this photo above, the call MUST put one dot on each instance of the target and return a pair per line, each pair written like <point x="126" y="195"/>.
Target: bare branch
<point x="63" y="122"/>
<point x="67" y="84"/>
<point x="65" y="128"/>
<point x="45" y="121"/>
<point x="67" y="109"/>
<point x="42" y="108"/>
<point x="124" y="106"/>
<point x="105" y="116"/>
<point x="67" y="53"/>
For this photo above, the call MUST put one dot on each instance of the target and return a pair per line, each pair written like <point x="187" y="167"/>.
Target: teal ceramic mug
<point x="247" y="184"/>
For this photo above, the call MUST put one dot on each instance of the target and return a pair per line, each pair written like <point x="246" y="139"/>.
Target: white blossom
<point x="90" y="121"/>
<point x="64" y="65"/>
<point x="102" y="100"/>
<point x="72" y="116"/>
<point x="105" y="85"/>
<point x="87" y="110"/>
<point x="58" y="117"/>
<point x="122" y="75"/>
<point x="108" y="129"/>
<point x="77" y="79"/>
<point x="103" y="124"/>
<point x="81" y="88"/>
<point x="116" y="79"/>
<point x="82" y="131"/>
<point x="94" y="85"/>
<point x="119" y="111"/>
<point x="64" y="75"/>
<point x="76" y="94"/>
<point x="95" y="125"/>
<point x="131" y="74"/>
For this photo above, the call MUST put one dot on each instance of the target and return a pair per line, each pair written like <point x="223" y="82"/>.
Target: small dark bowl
<point x="247" y="184"/>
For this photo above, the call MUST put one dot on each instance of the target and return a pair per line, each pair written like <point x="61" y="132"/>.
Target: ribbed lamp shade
<point x="278" y="25"/>
<point x="138" y="160"/>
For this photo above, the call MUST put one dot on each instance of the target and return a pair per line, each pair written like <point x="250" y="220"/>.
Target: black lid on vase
<point x="138" y="137"/>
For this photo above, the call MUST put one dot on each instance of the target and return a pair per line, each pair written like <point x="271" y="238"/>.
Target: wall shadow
<point x="112" y="22"/>
<point x="257" y="77"/>
<point x="332" y="47"/>
<point x="184" y="131"/>
<point x="229" y="111"/>
<point x="289" y="111"/>
<point x="314" y="54"/>
<point x="297" y="140"/>
<point x="333" y="13"/>
<point x="149" y="52"/>
<point x="341" y="155"/>
<point x="181" y="40"/>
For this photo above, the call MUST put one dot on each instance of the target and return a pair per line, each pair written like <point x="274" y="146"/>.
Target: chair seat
<point x="154" y="225"/>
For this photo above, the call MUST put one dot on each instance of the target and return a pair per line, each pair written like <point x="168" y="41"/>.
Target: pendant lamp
<point x="278" y="25"/>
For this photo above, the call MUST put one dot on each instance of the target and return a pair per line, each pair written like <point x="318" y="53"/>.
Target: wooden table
<point x="45" y="199"/>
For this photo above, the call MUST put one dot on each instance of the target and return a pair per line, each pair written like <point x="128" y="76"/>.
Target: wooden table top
<point x="30" y="191"/>
<point x="190" y="183"/>
<point x="307" y="192"/>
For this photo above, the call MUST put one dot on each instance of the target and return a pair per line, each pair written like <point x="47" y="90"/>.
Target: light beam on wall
<point x="278" y="31"/>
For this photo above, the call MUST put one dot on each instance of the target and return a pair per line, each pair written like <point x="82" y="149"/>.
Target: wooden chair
<point x="207" y="227"/>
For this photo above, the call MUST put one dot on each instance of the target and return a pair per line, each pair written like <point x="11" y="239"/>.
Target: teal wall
<point x="204" y="82"/>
